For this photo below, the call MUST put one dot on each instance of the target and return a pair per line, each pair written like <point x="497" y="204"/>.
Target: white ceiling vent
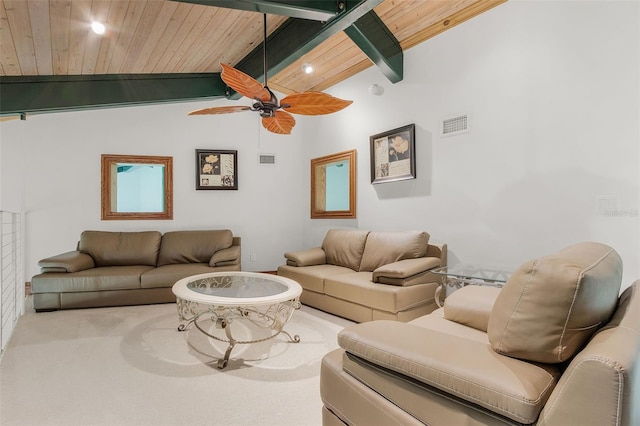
<point x="455" y="125"/>
<point x="266" y="159"/>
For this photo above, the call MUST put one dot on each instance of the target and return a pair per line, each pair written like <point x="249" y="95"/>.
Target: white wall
<point x="11" y="187"/>
<point x="62" y="176"/>
<point x="553" y="92"/>
<point x="552" y="89"/>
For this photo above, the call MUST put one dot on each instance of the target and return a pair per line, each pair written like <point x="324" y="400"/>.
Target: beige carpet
<point x="130" y="366"/>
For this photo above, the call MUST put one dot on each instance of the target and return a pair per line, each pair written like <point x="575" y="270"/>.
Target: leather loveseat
<point x="556" y="346"/>
<point x="365" y="275"/>
<point x="130" y="268"/>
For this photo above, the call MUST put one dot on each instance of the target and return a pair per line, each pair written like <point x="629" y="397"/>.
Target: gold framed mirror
<point x="137" y="187"/>
<point x="333" y="186"/>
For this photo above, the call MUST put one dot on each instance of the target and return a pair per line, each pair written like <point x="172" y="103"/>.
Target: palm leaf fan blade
<point x="313" y="103"/>
<point x="281" y="123"/>
<point x="220" y="110"/>
<point x="244" y="84"/>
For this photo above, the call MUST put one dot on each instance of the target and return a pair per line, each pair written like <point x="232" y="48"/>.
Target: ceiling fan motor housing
<point x="265" y="109"/>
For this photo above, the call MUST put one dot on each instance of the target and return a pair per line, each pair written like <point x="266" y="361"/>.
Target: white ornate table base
<point x="272" y="317"/>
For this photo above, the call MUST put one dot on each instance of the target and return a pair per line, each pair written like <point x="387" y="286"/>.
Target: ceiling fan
<point x="276" y="116"/>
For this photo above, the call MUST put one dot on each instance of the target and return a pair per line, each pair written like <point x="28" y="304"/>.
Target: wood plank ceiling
<point x="53" y="38"/>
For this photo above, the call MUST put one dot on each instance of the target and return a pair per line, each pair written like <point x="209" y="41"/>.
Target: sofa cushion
<point x="95" y="279"/>
<point x="121" y="248"/>
<point x="311" y="277"/>
<point x="168" y="275"/>
<point x="192" y="246"/>
<point x="471" y="305"/>
<point x="344" y="247"/>
<point x="437" y="322"/>
<point x="458" y="366"/>
<point x="383" y="247"/>
<point x="357" y="287"/>
<point x="550" y="306"/>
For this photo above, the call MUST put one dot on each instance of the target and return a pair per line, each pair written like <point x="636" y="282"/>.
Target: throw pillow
<point x="383" y="248"/>
<point x="551" y="306"/>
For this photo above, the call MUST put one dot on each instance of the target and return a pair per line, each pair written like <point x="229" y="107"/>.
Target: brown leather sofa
<point x="130" y="268"/>
<point x="556" y="346"/>
<point x="366" y="275"/>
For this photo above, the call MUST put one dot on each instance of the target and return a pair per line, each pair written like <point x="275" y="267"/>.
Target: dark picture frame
<point x="393" y="155"/>
<point x="216" y="169"/>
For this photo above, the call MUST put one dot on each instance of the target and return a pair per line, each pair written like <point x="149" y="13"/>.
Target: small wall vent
<point x="455" y="125"/>
<point x="266" y="159"/>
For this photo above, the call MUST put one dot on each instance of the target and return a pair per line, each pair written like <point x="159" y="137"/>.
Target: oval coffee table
<point x="222" y="297"/>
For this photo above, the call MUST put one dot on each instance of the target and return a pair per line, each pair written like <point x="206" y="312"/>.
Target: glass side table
<point x="461" y="275"/>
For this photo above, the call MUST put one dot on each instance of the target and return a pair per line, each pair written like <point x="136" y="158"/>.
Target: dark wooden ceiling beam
<point x="296" y="37"/>
<point x="314" y="10"/>
<point x="288" y="43"/>
<point x="37" y="94"/>
<point x="379" y="44"/>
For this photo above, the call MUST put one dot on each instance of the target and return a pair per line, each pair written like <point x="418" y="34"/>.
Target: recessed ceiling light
<point x="307" y="68"/>
<point x="98" y="28"/>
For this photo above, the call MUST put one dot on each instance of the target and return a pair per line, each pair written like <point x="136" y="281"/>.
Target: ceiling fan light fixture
<point x="307" y="68"/>
<point x="98" y="27"/>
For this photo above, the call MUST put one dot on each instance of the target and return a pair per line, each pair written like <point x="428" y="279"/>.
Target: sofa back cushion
<point x="387" y="247"/>
<point x="192" y="246"/>
<point x="551" y="306"/>
<point x="121" y="248"/>
<point x="344" y="247"/>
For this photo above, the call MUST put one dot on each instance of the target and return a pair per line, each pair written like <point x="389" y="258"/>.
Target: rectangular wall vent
<point x="455" y="125"/>
<point x="266" y="159"/>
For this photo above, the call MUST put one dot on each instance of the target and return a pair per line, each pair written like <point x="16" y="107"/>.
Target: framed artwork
<point x="216" y="169"/>
<point x="393" y="155"/>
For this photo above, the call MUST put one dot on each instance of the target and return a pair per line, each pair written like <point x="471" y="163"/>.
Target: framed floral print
<point x="393" y="155"/>
<point x="216" y="169"/>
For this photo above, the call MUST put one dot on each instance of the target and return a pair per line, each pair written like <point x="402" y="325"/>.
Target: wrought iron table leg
<point x="222" y="363"/>
<point x="183" y="325"/>
<point x="186" y="308"/>
<point x="294" y="339"/>
<point x="189" y="313"/>
<point x="437" y="295"/>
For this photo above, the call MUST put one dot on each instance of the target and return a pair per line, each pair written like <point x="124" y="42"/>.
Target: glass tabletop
<point x="474" y="272"/>
<point x="237" y="286"/>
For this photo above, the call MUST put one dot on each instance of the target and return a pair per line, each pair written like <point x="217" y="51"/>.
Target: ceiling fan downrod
<point x="266" y="108"/>
<point x="264" y="49"/>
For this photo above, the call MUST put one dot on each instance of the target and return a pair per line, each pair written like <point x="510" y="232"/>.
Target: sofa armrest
<point x="226" y="257"/>
<point x="402" y="272"/>
<point x="471" y="306"/>
<point x="601" y="384"/>
<point x="71" y="261"/>
<point x="464" y="368"/>
<point x="309" y="257"/>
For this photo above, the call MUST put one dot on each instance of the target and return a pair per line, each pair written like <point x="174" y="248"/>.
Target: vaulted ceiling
<point x="171" y="50"/>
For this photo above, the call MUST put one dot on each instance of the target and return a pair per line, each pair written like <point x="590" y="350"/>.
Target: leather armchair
<point x="557" y="345"/>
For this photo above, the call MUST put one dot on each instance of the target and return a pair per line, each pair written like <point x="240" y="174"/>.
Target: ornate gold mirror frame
<point x="162" y="183"/>
<point x="333" y="186"/>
